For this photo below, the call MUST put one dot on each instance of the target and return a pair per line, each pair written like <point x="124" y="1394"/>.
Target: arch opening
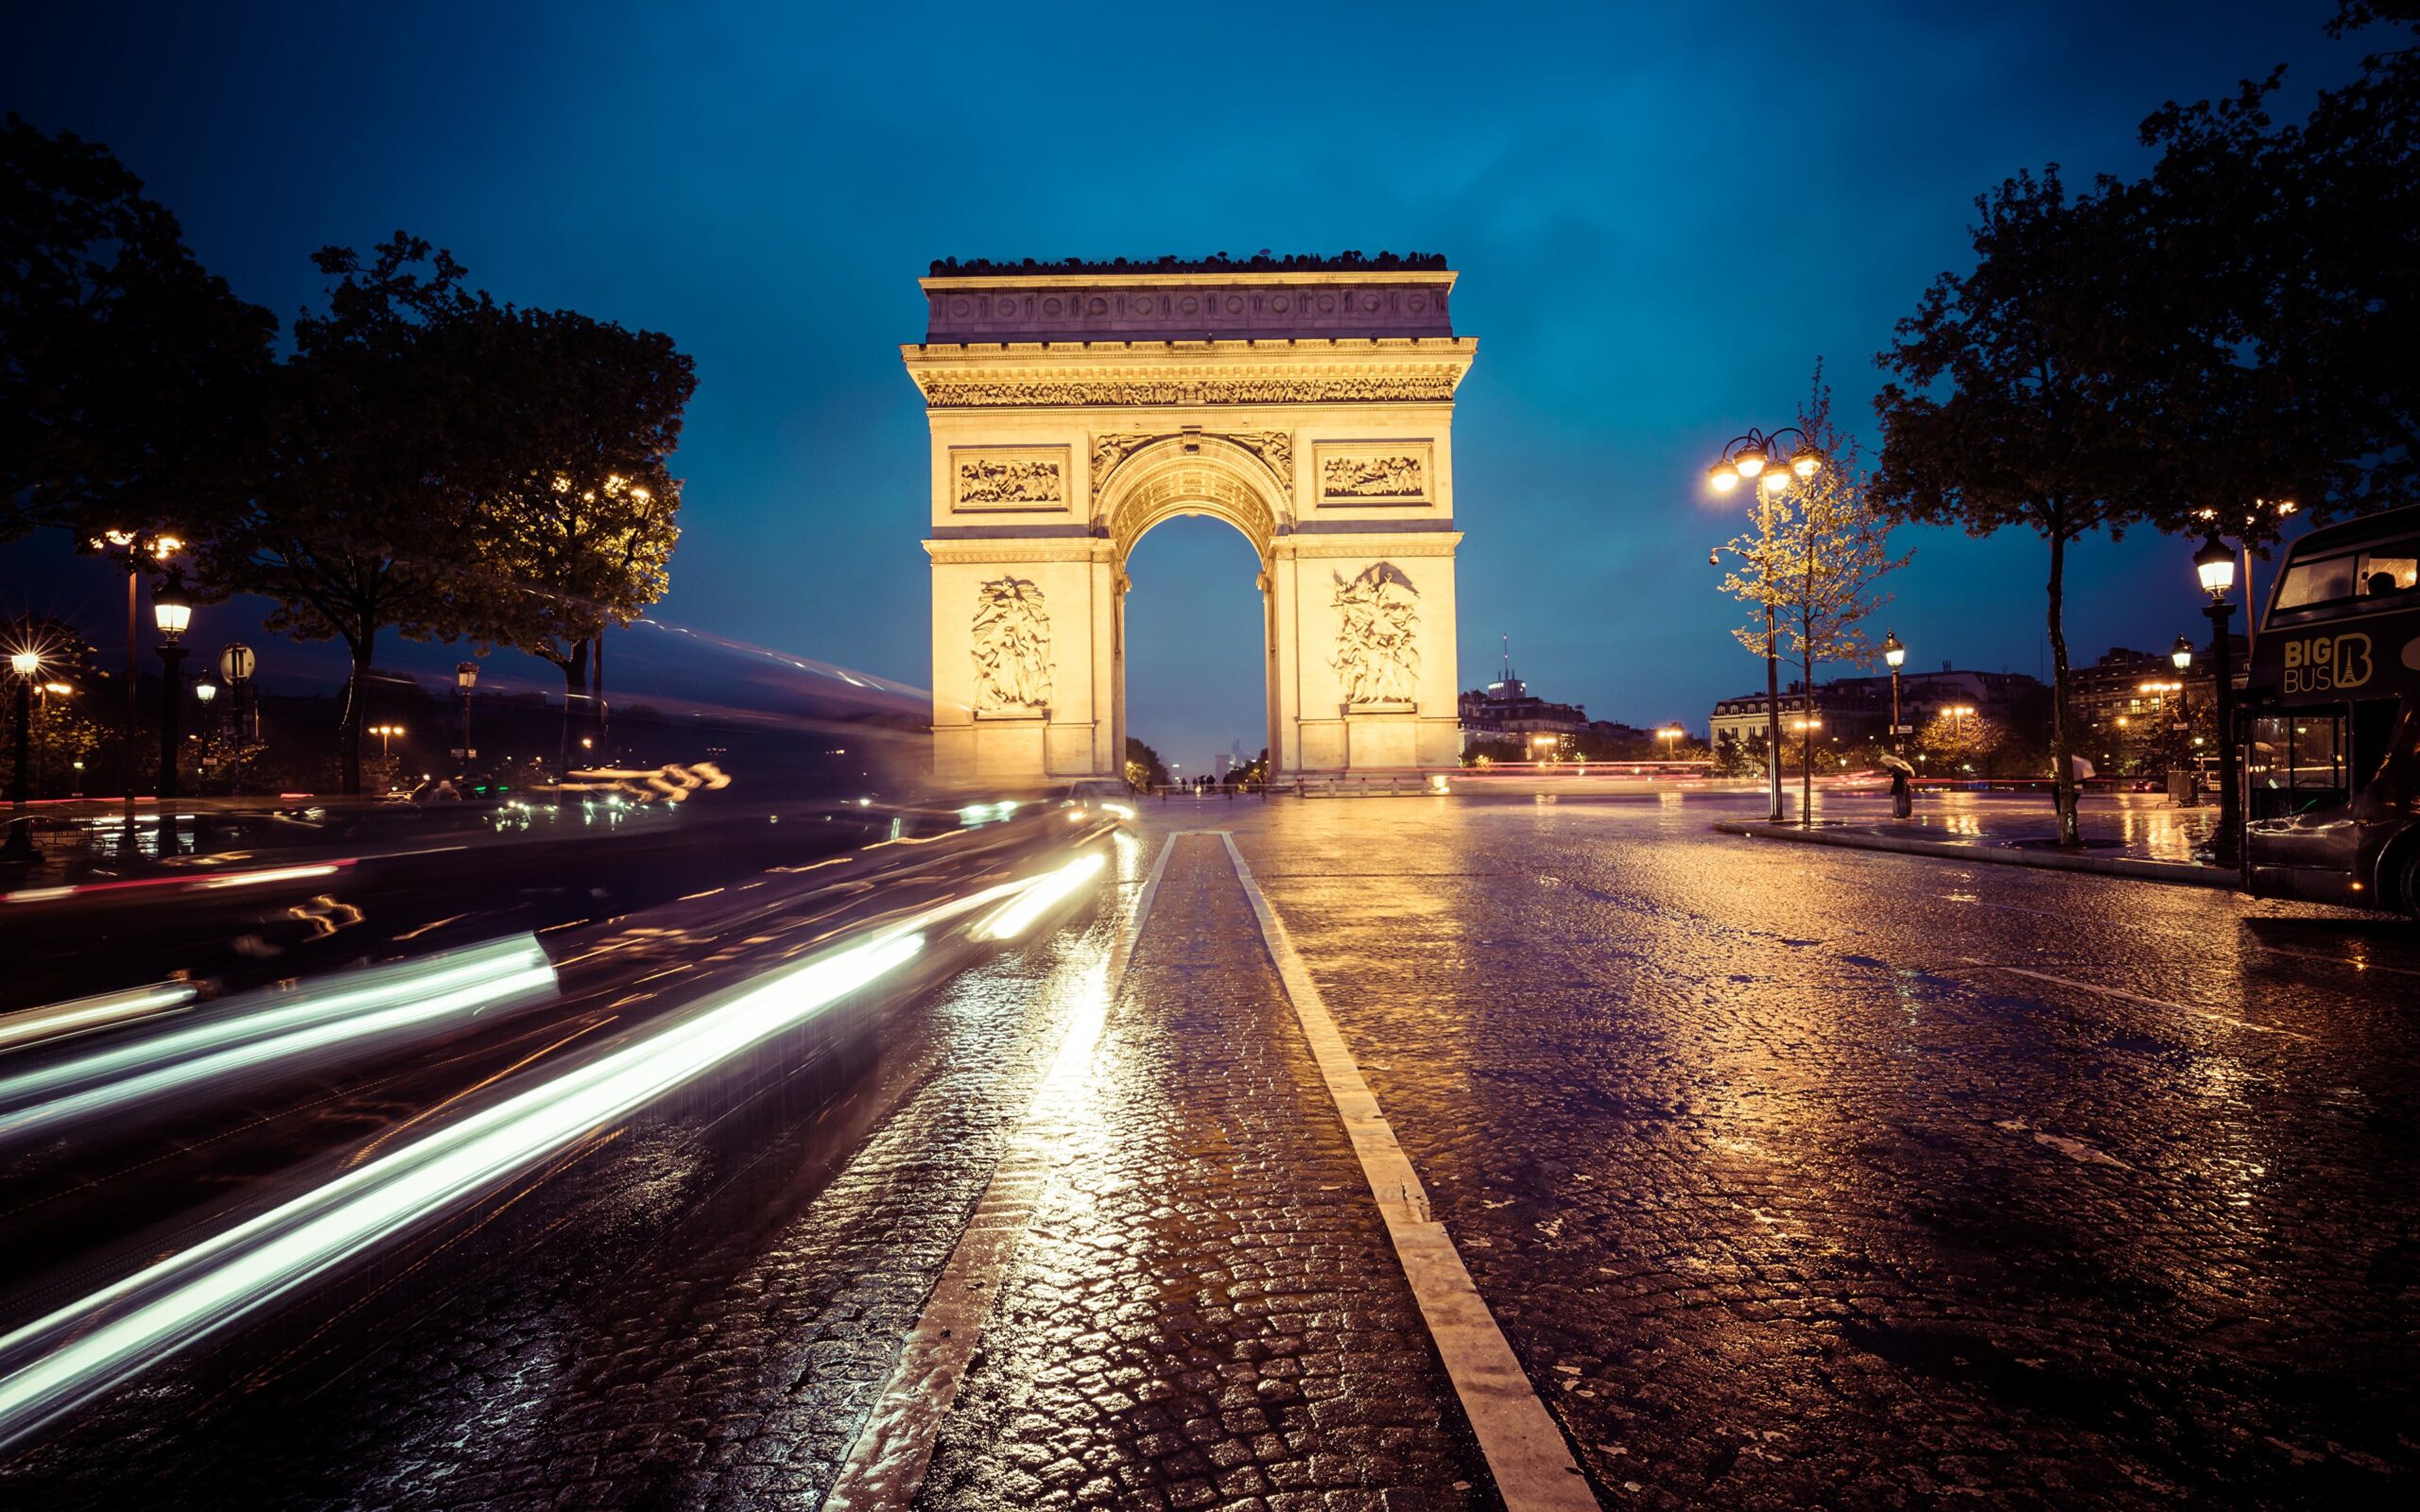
<point x="1176" y="480"/>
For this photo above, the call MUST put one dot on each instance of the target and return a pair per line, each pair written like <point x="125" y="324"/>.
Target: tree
<point x="577" y="524"/>
<point x="1959" y="740"/>
<point x="128" y="373"/>
<point x="1833" y="552"/>
<point x="1143" y="768"/>
<point x="2298" y="297"/>
<point x="1736" y="756"/>
<point x="366" y="515"/>
<point x="2025" y="401"/>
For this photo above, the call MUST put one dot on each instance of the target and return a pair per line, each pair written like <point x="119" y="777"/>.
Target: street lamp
<point x="2182" y="656"/>
<point x="2215" y="566"/>
<point x="1671" y="735"/>
<point x="466" y="677"/>
<point x="134" y="550"/>
<point x="25" y="663"/>
<point x="386" y="735"/>
<point x="1772" y="465"/>
<point x="171" y="612"/>
<point x="1894" y="654"/>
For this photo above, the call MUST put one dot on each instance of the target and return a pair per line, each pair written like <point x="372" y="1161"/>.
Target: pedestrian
<point x="1903" y="800"/>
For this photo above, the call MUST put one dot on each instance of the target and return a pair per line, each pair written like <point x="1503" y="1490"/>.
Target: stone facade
<point x="1070" y="412"/>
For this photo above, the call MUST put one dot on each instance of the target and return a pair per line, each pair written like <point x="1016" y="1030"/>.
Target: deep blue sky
<point x="1662" y="215"/>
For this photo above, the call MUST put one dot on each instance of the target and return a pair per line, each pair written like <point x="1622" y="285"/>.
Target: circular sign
<point x="236" y="664"/>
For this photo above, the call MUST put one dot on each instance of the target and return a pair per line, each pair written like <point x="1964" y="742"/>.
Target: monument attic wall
<point x="1187" y="307"/>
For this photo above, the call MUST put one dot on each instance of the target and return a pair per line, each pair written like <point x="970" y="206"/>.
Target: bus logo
<point x="2319" y="663"/>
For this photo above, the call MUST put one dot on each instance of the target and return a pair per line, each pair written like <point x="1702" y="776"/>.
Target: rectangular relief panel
<point x="1374" y="475"/>
<point x="1000" y="479"/>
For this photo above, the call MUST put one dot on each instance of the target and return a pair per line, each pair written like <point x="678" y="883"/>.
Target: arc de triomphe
<point x="1308" y="402"/>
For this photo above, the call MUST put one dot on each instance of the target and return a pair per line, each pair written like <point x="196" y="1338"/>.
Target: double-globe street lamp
<point x="2214" y="564"/>
<point x="1769" y="465"/>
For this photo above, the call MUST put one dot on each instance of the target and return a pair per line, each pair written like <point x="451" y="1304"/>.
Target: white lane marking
<point x="2123" y="995"/>
<point x="1532" y="1464"/>
<point x="894" y="1447"/>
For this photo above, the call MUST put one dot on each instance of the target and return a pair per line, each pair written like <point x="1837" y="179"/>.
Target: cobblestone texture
<point x="725" y="1364"/>
<point x="1784" y="1201"/>
<point x="1207" y="1312"/>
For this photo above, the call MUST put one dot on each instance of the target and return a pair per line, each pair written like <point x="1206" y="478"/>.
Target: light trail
<point x="88" y="1013"/>
<point x="50" y="1365"/>
<point x="261" y="1030"/>
<point x="1039" y="896"/>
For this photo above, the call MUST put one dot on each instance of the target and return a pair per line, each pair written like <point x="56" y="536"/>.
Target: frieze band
<point x="943" y="393"/>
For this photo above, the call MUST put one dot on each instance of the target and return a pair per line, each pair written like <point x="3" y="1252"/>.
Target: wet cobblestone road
<point x="1795" y="1178"/>
<point x="1206" y="1310"/>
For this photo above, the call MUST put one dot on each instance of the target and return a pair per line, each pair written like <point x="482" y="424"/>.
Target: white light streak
<point x="264" y="1029"/>
<point x="1051" y="888"/>
<point x="85" y="1348"/>
<point x="87" y="1013"/>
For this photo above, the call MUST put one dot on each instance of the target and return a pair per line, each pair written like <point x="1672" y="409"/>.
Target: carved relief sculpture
<point x="986" y="481"/>
<point x="1012" y="646"/>
<point x="1378" y="653"/>
<point x="1108" y="451"/>
<point x="1371" y="477"/>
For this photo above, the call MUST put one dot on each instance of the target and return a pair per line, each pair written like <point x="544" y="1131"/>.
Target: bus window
<point x="2297" y="762"/>
<point x="2390" y="568"/>
<point x="2316" y="582"/>
<point x="2394" y="570"/>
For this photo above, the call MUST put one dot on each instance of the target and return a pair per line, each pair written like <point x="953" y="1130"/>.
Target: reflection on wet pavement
<point x="1783" y="1201"/>
<point x="1794" y="1176"/>
<point x="1206" y="1309"/>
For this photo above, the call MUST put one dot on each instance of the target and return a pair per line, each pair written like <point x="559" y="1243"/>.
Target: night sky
<point x="1661" y="221"/>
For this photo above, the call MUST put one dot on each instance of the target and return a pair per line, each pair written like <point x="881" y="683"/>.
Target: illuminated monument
<point x="1308" y="402"/>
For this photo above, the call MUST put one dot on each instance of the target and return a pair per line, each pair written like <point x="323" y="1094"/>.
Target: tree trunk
<point x="1807" y="743"/>
<point x="365" y="645"/>
<point x="596" y="692"/>
<point x="574" y="670"/>
<point x="2062" y="773"/>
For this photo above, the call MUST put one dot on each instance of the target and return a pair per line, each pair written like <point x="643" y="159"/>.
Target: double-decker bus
<point x="2330" y="723"/>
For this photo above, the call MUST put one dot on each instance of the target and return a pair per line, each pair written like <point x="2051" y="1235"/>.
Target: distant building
<point x="2136" y="712"/>
<point x="1506" y="712"/>
<point x="1853" y="710"/>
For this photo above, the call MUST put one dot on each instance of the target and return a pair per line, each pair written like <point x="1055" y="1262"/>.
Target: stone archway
<point x="1175" y="476"/>
<point x="1073" y="409"/>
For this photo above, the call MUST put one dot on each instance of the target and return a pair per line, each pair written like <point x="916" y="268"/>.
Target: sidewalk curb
<point x="2172" y="872"/>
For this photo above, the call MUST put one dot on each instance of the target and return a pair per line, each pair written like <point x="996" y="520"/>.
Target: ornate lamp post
<point x="1770" y="466"/>
<point x="2214" y="564"/>
<point x="207" y="692"/>
<point x="171" y="612"/>
<point x="1894" y="653"/>
<point x="466" y="677"/>
<point x="134" y="550"/>
<point x="25" y="665"/>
